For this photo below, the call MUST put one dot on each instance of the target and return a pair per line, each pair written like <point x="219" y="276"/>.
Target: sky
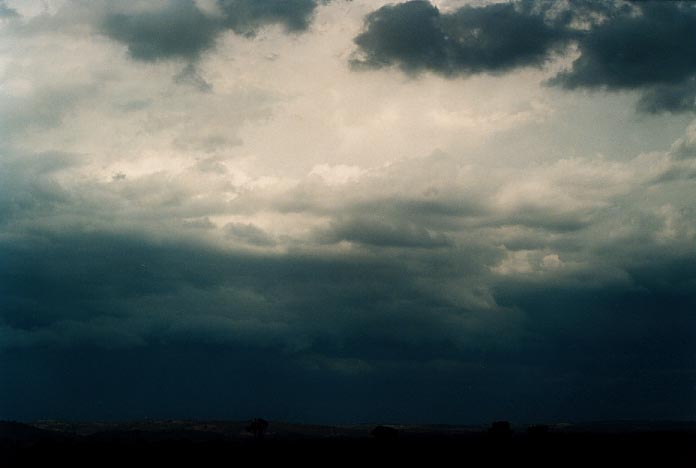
<point x="347" y="211"/>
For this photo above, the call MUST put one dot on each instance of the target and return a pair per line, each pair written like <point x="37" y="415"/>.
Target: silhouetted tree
<point x="538" y="430"/>
<point x="258" y="427"/>
<point x="500" y="430"/>
<point x="384" y="433"/>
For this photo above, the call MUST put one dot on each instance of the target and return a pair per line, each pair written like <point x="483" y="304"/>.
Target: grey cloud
<point x="248" y="234"/>
<point x="25" y="164"/>
<point x="495" y="38"/>
<point x="650" y="49"/>
<point x="123" y="298"/>
<point x="128" y="300"/>
<point x="7" y="12"/>
<point x="44" y="108"/>
<point x="190" y="76"/>
<point x="134" y="105"/>
<point x="383" y="311"/>
<point x="674" y="174"/>
<point x="651" y="46"/>
<point x="181" y="30"/>
<point x="238" y="382"/>
<point x="426" y="191"/>
<point x="644" y="46"/>
<point x="199" y="223"/>
<point x="31" y="188"/>
<point x="212" y="165"/>
<point x="627" y="313"/>
<point x="28" y="184"/>
<point x="425" y="216"/>
<point x="127" y="271"/>
<point x="685" y="148"/>
<point x="208" y="143"/>
<point x="132" y="288"/>
<point x="539" y="218"/>
<point x="679" y="97"/>
<point x="247" y="16"/>
<point x="379" y="232"/>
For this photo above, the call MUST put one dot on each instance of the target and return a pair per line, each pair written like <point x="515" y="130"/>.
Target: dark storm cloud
<point x="630" y="329"/>
<point x="650" y="49"/>
<point x="652" y="46"/>
<point x="645" y="291"/>
<point x="247" y="16"/>
<point x="495" y="38"/>
<point x="428" y="289"/>
<point x="215" y="382"/>
<point x="679" y="97"/>
<point x="27" y="181"/>
<point x="131" y="322"/>
<point x="181" y="30"/>
<point x="120" y="291"/>
<point x="413" y="313"/>
<point x="644" y="46"/>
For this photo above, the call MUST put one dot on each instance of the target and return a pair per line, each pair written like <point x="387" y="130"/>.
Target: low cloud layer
<point x="555" y="271"/>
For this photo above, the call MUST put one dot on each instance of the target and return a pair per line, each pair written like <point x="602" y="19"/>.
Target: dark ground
<point x="197" y="443"/>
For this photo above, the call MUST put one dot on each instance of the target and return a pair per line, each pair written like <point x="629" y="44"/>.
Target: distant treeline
<point x="25" y="445"/>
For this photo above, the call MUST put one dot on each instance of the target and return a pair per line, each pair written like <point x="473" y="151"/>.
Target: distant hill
<point x="191" y="443"/>
<point x="236" y="430"/>
<point x="19" y="432"/>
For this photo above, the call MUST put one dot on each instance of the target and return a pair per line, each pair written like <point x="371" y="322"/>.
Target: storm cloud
<point x="179" y="29"/>
<point x="641" y="46"/>
<point x="405" y="308"/>
<point x="247" y="16"/>
<point x="648" y="49"/>
<point x="495" y="38"/>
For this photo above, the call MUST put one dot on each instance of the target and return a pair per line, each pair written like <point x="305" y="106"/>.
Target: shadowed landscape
<point x="215" y="443"/>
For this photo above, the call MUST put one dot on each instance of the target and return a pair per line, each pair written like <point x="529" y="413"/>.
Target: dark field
<point x="187" y="443"/>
